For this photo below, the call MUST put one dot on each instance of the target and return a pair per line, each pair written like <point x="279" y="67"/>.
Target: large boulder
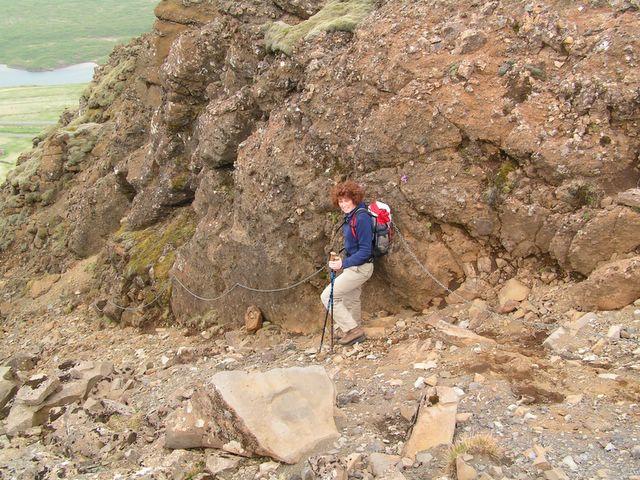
<point x="283" y="413"/>
<point x="612" y="286"/>
<point x="611" y="231"/>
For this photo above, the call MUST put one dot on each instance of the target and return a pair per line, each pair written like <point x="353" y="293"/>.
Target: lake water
<point x="80" y="73"/>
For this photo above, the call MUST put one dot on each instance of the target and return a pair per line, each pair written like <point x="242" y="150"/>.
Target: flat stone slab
<point x="283" y="413"/>
<point x="6" y="373"/>
<point x="435" y="424"/>
<point x="458" y="335"/>
<point x="380" y="463"/>
<point x="37" y="389"/>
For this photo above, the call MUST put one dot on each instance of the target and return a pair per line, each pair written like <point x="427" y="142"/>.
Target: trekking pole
<point x="333" y="280"/>
<point x="332" y="276"/>
<point x="324" y="325"/>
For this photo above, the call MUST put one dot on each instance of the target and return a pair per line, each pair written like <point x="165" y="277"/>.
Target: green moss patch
<point x="502" y="177"/>
<point x="155" y="246"/>
<point x="334" y="16"/>
<point x="102" y="94"/>
<point x="82" y="139"/>
<point x="585" y="195"/>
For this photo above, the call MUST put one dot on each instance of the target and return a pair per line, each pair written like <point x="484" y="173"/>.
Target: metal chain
<point x="224" y="294"/>
<point x="489" y="310"/>
<point x="424" y="269"/>
<point x="132" y="309"/>
<point x="289" y="287"/>
<point x="251" y="289"/>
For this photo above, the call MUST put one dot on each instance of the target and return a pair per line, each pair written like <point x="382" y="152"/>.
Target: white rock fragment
<point x="570" y="463"/>
<point x="425" y="366"/>
<point x="614" y="332"/>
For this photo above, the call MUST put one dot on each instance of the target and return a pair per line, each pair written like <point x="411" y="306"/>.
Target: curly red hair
<point x="348" y="189"/>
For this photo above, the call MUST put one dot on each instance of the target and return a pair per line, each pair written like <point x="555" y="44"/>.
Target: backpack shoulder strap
<point x="353" y="220"/>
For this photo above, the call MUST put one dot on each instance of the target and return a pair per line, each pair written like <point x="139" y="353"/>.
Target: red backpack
<point x="381" y="224"/>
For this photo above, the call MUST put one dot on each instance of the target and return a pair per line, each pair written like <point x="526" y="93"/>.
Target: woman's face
<point x="346" y="204"/>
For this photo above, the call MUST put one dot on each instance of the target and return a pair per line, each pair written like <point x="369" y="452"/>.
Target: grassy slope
<point x="25" y="112"/>
<point x="45" y="34"/>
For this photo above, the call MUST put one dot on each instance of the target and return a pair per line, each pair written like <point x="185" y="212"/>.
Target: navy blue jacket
<point x="359" y="251"/>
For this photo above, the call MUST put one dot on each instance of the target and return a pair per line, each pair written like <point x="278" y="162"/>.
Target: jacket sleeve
<point x="364" y="233"/>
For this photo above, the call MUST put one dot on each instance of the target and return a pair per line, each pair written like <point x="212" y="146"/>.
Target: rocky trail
<point x="549" y="399"/>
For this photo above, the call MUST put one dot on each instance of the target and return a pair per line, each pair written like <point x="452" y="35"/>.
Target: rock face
<point x="484" y="150"/>
<point x="614" y="285"/>
<point x="612" y="231"/>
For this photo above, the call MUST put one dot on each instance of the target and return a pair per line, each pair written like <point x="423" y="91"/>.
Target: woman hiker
<point x="357" y="266"/>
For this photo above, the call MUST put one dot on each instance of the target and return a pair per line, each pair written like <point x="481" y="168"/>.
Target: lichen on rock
<point x="334" y="16"/>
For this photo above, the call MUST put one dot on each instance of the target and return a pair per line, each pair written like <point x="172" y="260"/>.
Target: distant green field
<point x="47" y="34"/>
<point x="25" y="112"/>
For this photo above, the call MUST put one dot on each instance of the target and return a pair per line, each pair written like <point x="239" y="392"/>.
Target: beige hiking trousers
<point x="346" y="296"/>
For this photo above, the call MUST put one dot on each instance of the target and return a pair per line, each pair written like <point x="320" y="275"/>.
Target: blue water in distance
<point x="80" y="73"/>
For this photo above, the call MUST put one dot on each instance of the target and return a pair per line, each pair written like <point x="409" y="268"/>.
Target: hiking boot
<point x="355" y="335"/>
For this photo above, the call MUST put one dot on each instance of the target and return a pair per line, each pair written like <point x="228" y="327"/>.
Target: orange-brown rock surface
<point x="499" y="132"/>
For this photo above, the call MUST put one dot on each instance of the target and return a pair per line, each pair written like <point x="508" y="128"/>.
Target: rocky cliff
<point x="503" y="134"/>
